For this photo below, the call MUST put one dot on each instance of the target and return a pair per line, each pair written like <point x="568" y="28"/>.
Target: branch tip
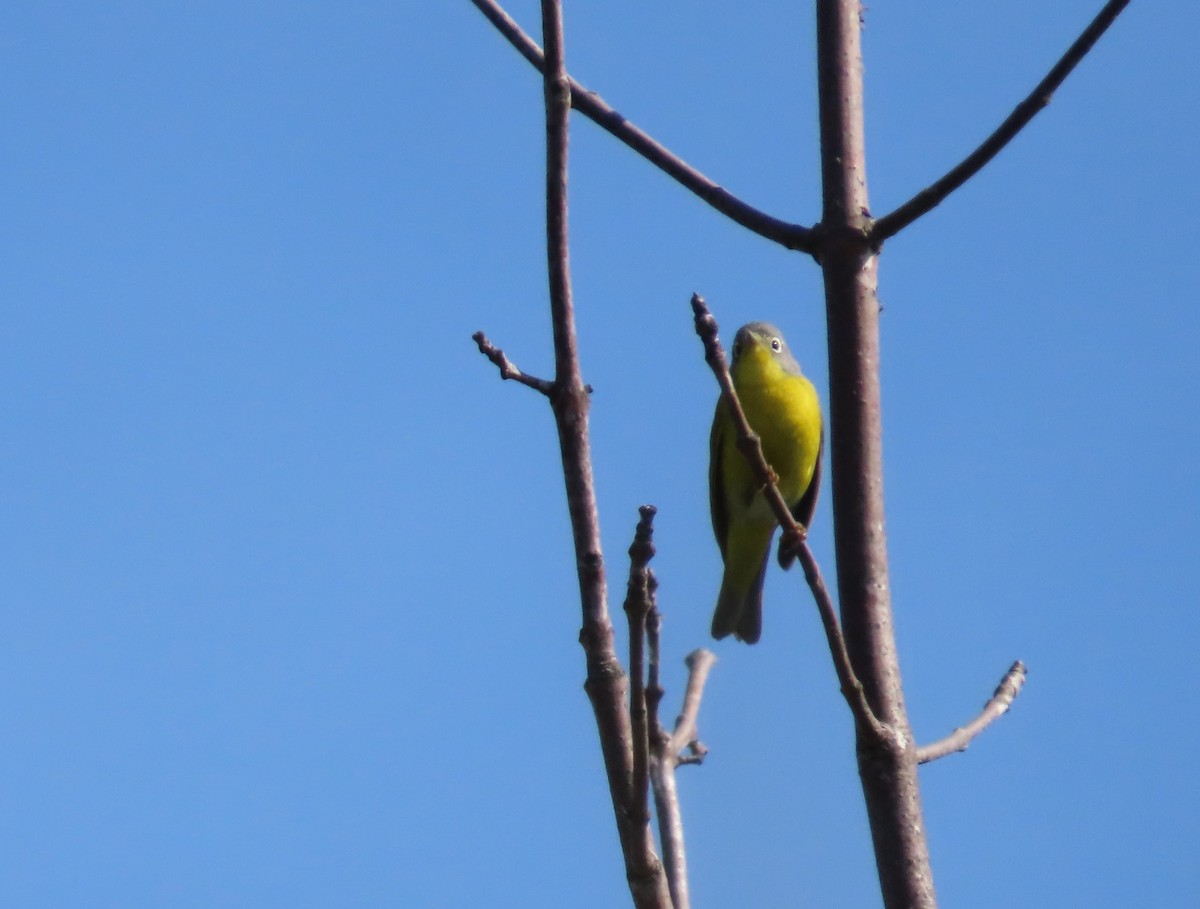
<point x="1002" y="699"/>
<point x="508" y="369"/>
<point x="639" y="601"/>
<point x="706" y="328"/>
<point x="642" y="550"/>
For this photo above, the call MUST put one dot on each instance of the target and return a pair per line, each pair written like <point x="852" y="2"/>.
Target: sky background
<point x="288" y="607"/>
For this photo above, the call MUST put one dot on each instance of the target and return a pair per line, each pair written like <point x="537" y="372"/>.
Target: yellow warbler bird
<point x="782" y="408"/>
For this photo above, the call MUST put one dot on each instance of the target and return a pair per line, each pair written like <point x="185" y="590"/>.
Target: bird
<point x="783" y="409"/>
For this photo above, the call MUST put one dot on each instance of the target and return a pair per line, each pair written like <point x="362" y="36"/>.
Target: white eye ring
<point x="776" y="345"/>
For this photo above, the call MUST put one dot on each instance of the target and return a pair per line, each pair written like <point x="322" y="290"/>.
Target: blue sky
<point x="289" y="614"/>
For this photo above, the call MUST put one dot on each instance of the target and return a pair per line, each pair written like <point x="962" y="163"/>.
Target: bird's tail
<point x="739" y="609"/>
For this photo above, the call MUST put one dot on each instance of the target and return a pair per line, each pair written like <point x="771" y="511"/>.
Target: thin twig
<point x="557" y="91"/>
<point x="930" y="197"/>
<point x="506" y="367"/>
<point x="654" y="689"/>
<point x="686" y="734"/>
<point x="666" y="799"/>
<point x="748" y="441"/>
<point x="1006" y="692"/>
<point x="750" y="445"/>
<point x="667" y="756"/>
<point x="592" y="106"/>
<point x="670" y="831"/>
<point x="852" y="688"/>
<point x="637" y="607"/>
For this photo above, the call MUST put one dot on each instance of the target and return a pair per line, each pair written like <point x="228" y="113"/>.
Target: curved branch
<point x="750" y="445"/>
<point x="1006" y="692"/>
<point x="592" y="106"/>
<point x="932" y="196"/>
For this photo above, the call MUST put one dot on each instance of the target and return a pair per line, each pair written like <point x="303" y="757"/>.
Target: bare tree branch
<point x="654" y="689"/>
<point x="662" y="773"/>
<point x="638" y="602"/>
<point x="887" y="766"/>
<point x="852" y="689"/>
<point x="592" y="106"/>
<point x="751" y="446"/>
<point x="1006" y="692"/>
<point x="667" y="756"/>
<point x="506" y="367"/>
<point x="606" y="684"/>
<point x="932" y="196"/>
<point x="686" y="734"/>
<point x="845" y="243"/>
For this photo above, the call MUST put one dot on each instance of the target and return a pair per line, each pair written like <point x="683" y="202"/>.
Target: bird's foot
<point x="792" y="539"/>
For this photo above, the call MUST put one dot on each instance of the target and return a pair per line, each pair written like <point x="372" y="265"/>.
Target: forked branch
<point x="606" y="684"/>
<point x="656" y="753"/>
<point x="932" y="196"/>
<point x="668" y="753"/>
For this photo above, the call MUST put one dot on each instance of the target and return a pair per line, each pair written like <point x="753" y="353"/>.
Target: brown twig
<point x="654" y="689"/>
<point x="930" y="197"/>
<point x="686" y="734"/>
<point x="506" y="367"/>
<point x="592" y="106"/>
<point x="638" y="603"/>
<point x="1006" y="692"/>
<point x="668" y="755"/>
<point x="751" y="446"/>
<point x="852" y="688"/>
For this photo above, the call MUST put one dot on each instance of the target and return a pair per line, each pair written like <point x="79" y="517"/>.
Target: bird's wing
<point x="716" y="488"/>
<point x="803" y="510"/>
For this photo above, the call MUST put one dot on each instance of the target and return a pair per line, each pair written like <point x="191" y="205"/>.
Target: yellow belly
<point x="786" y="415"/>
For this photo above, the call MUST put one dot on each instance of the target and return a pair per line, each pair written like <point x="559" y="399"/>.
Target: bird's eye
<point x="776" y="345"/>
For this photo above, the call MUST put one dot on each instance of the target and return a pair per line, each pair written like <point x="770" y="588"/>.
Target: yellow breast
<point x="784" y="410"/>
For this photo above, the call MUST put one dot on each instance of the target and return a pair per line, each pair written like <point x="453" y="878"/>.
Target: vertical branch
<point x="887" y="766"/>
<point x="666" y="797"/>
<point x="557" y="92"/>
<point x="607" y="686"/>
<point x="669" y="754"/>
<point x="639" y="603"/>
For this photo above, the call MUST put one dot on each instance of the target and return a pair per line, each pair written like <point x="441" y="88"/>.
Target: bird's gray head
<point x="766" y="337"/>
